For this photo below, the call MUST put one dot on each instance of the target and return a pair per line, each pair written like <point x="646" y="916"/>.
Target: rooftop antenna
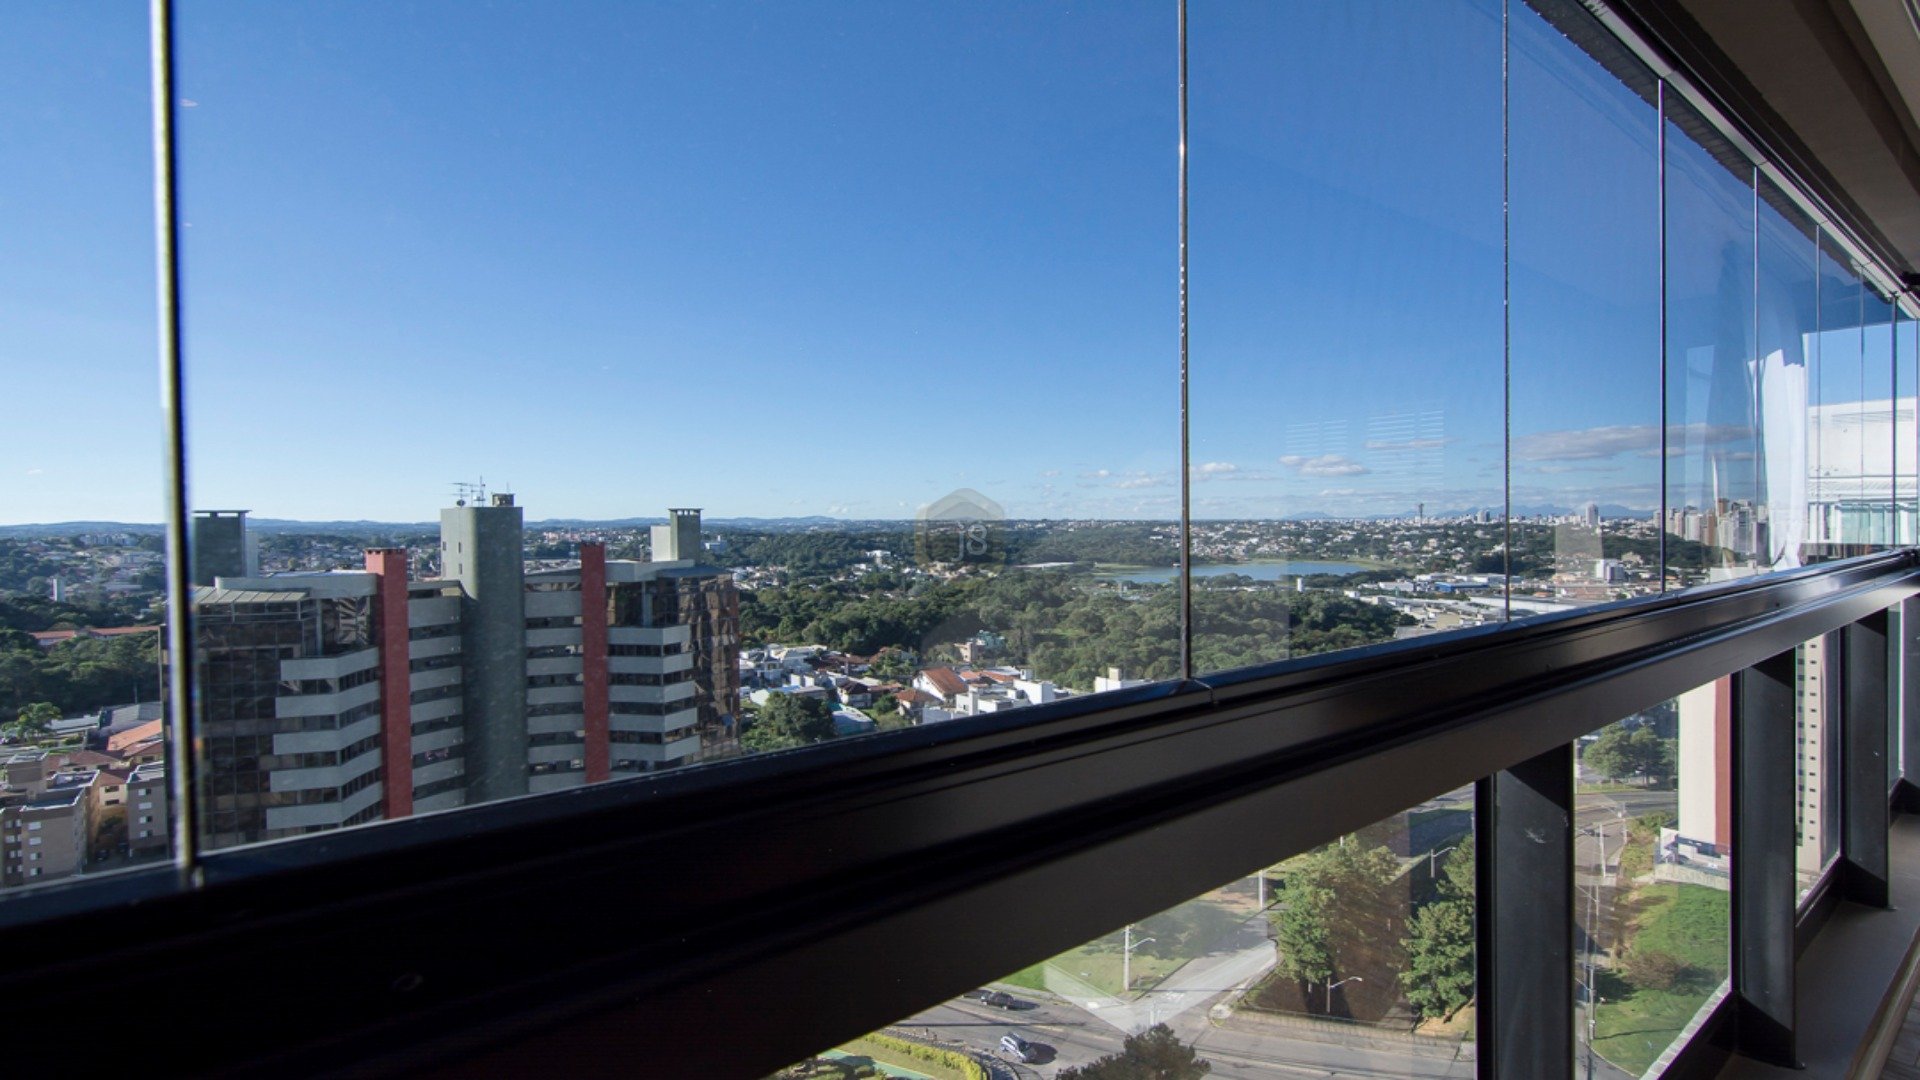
<point x="465" y="492"/>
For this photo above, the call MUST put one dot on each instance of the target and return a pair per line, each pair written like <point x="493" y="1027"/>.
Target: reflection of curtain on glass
<point x="1781" y="376"/>
<point x="1783" y="315"/>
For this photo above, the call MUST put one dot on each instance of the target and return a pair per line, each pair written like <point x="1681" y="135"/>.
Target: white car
<point x="1016" y="1047"/>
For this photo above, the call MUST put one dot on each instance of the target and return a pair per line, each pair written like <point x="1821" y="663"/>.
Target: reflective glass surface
<point x="1584" y="371"/>
<point x="82" y="553"/>
<point x="1833" y="417"/>
<point x="1713" y="429"/>
<point x="1653" y="860"/>
<point x="1787" y="319"/>
<point x="1355" y="959"/>
<point x="882" y="291"/>
<point x="1345" y="432"/>
<point x="1874" y="522"/>
<point x="1906" y="434"/>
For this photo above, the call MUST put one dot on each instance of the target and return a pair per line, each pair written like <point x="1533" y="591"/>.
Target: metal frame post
<point x="1910" y="694"/>
<point x="1764" y="886"/>
<point x="1524" y="844"/>
<point x="1864" y="817"/>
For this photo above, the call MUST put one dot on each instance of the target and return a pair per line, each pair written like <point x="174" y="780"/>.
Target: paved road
<point x="1075" y="1037"/>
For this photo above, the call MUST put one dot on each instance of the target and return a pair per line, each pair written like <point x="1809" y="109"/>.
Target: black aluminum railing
<point x="680" y="924"/>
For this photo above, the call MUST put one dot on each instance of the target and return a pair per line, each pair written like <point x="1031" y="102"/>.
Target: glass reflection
<point x="1653" y="861"/>
<point x="1787" y="308"/>
<point x="828" y="352"/>
<point x="83" y="728"/>
<point x="1834" y="444"/>
<point x="1584" y="257"/>
<point x="1713" y="434"/>
<point x="1355" y="959"/>
<point x="1873" y="522"/>
<point x="1906" y="433"/>
<point x="1347" y="433"/>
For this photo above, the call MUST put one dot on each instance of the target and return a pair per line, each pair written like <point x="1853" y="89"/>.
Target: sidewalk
<point x="1343" y="1033"/>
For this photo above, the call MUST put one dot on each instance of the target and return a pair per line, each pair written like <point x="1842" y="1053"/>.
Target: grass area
<point x="1162" y="943"/>
<point x="1033" y="978"/>
<point x="888" y="1056"/>
<point x="1099" y="966"/>
<point x="1634" y="1022"/>
<point x="1606" y="787"/>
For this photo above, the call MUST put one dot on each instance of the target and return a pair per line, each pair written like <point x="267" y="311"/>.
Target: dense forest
<point x="1068" y="629"/>
<point x="76" y="676"/>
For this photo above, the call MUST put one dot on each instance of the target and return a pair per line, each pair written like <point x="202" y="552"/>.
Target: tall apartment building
<point x="44" y="820"/>
<point x="1816" y="817"/>
<point x="515" y="682"/>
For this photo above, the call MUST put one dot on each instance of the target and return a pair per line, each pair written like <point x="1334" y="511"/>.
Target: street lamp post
<point x="1332" y="986"/>
<point x="1127" y="945"/>
<point x="1433" y="855"/>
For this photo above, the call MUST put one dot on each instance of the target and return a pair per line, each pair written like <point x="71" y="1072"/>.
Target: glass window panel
<point x="1343" y="425"/>
<point x="886" y="291"/>
<point x="1585" y="319"/>
<point x="1787" y="318"/>
<point x="1355" y="959"/>
<point x="1906" y="435"/>
<point x="1713" y="431"/>
<point x="1873" y="520"/>
<point x="1652" y="870"/>
<point x="1834" y="451"/>
<point x="82" y="563"/>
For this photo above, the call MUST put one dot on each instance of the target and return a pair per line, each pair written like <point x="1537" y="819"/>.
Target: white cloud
<point x="1600" y="443"/>
<point x="1324" y="465"/>
<point x="1214" y="468"/>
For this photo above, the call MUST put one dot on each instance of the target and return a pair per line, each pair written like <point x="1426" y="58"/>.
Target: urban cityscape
<point x="553" y="654"/>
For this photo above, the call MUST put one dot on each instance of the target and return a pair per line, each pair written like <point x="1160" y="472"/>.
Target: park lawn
<point x="1099" y="967"/>
<point x="1033" y="978"/>
<point x="1180" y="934"/>
<point x="1605" y="787"/>
<point x="1688" y="922"/>
<point x="883" y="1055"/>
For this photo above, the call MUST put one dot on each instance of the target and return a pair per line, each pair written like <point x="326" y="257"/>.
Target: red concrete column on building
<point x="389" y="566"/>
<point x="593" y="660"/>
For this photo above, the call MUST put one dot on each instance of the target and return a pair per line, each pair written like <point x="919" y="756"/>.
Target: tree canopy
<point x="789" y="720"/>
<point x="1439" y="978"/>
<point x="1333" y="901"/>
<point x="1622" y="754"/>
<point x="1154" y="1054"/>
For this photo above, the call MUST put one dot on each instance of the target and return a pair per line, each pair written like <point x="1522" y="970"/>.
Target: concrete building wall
<point x="480" y="548"/>
<point x="219" y="546"/>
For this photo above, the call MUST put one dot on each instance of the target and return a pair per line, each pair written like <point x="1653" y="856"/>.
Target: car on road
<point x="1017" y="1048"/>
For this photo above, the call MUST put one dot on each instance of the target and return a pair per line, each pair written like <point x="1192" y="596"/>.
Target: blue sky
<point x="788" y="259"/>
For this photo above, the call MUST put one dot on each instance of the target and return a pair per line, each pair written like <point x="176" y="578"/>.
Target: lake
<point x="1259" y="571"/>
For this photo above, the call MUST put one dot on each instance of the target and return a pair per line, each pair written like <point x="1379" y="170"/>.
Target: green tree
<point x="1154" y="1054"/>
<point x="1440" y="966"/>
<point x="1622" y="754"/>
<point x="32" y="720"/>
<point x="1333" y="899"/>
<point x="788" y="720"/>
